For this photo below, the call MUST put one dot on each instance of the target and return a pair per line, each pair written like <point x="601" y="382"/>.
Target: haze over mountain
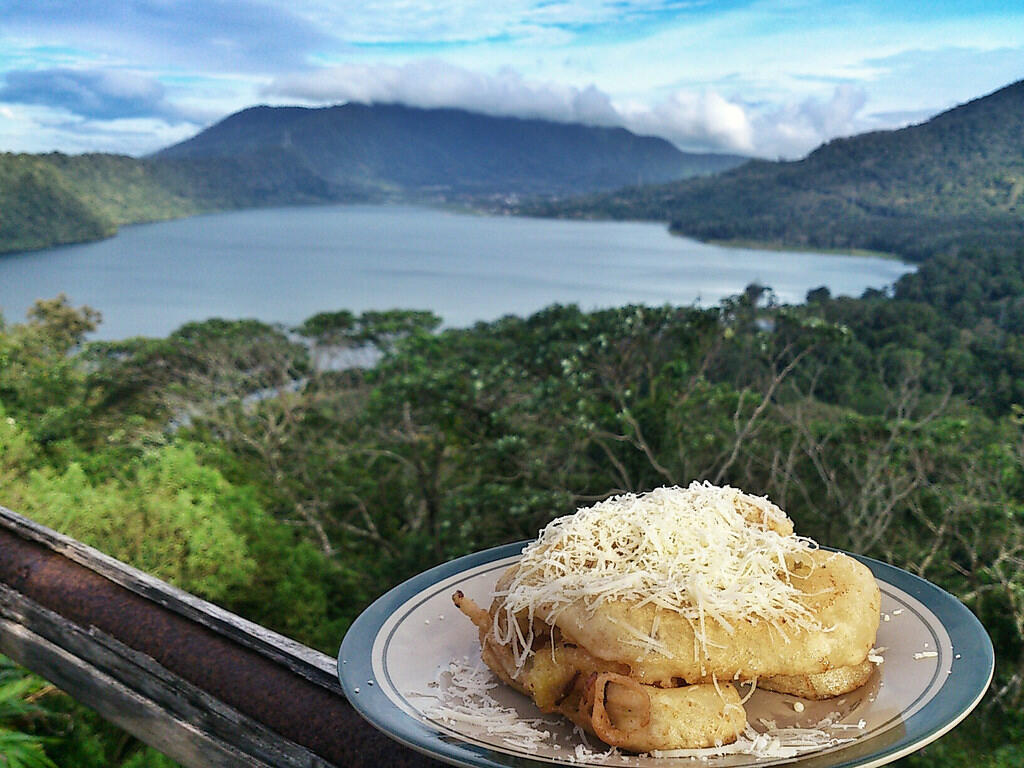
<point x="956" y="179"/>
<point x="394" y="149"/>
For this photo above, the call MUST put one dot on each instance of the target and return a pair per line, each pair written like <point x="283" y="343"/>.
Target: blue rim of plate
<point x="965" y="685"/>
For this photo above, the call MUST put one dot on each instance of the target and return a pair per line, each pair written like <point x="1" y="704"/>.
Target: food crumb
<point x="925" y="655"/>
<point x="798" y="706"/>
<point x="897" y="612"/>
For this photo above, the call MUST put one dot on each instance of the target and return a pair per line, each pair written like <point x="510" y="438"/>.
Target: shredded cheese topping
<point x="705" y="552"/>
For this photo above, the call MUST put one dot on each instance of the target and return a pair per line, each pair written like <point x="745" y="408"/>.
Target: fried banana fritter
<point x="633" y="618"/>
<point x="604" y="700"/>
<point x="838" y="590"/>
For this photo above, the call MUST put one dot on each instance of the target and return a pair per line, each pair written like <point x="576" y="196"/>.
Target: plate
<point x="938" y="664"/>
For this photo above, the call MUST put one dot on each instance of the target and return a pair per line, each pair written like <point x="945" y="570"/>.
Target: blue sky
<point x="771" y="78"/>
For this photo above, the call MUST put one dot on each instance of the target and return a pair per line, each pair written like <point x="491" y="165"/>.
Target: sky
<point x="766" y="78"/>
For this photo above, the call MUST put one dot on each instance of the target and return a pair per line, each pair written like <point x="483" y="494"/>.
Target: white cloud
<point x="794" y="129"/>
<point x="434" y="83"/>
<point x="702" y="120"/>
<point x="699" y="120"/>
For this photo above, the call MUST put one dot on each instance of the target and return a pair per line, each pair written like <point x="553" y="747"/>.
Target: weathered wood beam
<point x="199" y="683"/>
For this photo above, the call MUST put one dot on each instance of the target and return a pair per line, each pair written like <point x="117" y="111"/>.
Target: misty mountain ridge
<point x="954" y="180"/>
<point x="396" y="150"/>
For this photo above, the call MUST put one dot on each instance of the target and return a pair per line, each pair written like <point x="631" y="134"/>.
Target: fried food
<point x="632" y="617"/>
<point x="837" y="590"/>
<point x="823" y="685"/>
<point x="600" y="696"/>
<point x="642" y="718"/>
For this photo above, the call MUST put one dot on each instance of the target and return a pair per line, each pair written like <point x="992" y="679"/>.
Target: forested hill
<point x="955" y="180"/>
<point x="395" y="148"/>
<point x="53" y="199"/>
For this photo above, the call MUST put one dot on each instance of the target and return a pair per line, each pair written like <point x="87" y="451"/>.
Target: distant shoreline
<point x="739" y="243"/>
<point x="763" y="245"/>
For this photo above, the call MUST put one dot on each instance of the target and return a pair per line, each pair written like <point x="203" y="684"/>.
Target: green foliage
<point x="39" y="207"/>
<point x="148" y="758"/>
<point x="39" y="380"/>
<point x="17" y="708"/>
<point x="169" y="516"/>
<point x="122" y="189"/>
<point x="372" y="328"/>
<point x="42" y="727"/>
<point x="18" y="452"/>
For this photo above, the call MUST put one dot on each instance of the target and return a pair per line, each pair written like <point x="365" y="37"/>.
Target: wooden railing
<point x="198" y="683"/>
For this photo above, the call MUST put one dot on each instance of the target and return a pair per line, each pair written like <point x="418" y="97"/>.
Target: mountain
<point x="955" y="180"/>
<point x="353" y="153"/>
<point x="389" y="149"/>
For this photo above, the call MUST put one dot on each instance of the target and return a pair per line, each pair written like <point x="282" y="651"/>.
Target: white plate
<point x="938" y="664"/>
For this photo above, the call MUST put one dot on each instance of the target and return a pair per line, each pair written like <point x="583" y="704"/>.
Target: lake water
<point x="285" y="264"/>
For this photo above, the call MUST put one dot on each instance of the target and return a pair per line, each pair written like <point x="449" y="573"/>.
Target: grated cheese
<point x="461" y="697"/>
<point x="772" y="743"/>
<point x="706" y="552"/>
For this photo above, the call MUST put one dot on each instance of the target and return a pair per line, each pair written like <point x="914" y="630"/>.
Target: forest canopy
<point x="356" y="450"/>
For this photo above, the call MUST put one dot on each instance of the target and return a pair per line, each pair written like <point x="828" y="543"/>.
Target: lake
<point x="285" y="264"/>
